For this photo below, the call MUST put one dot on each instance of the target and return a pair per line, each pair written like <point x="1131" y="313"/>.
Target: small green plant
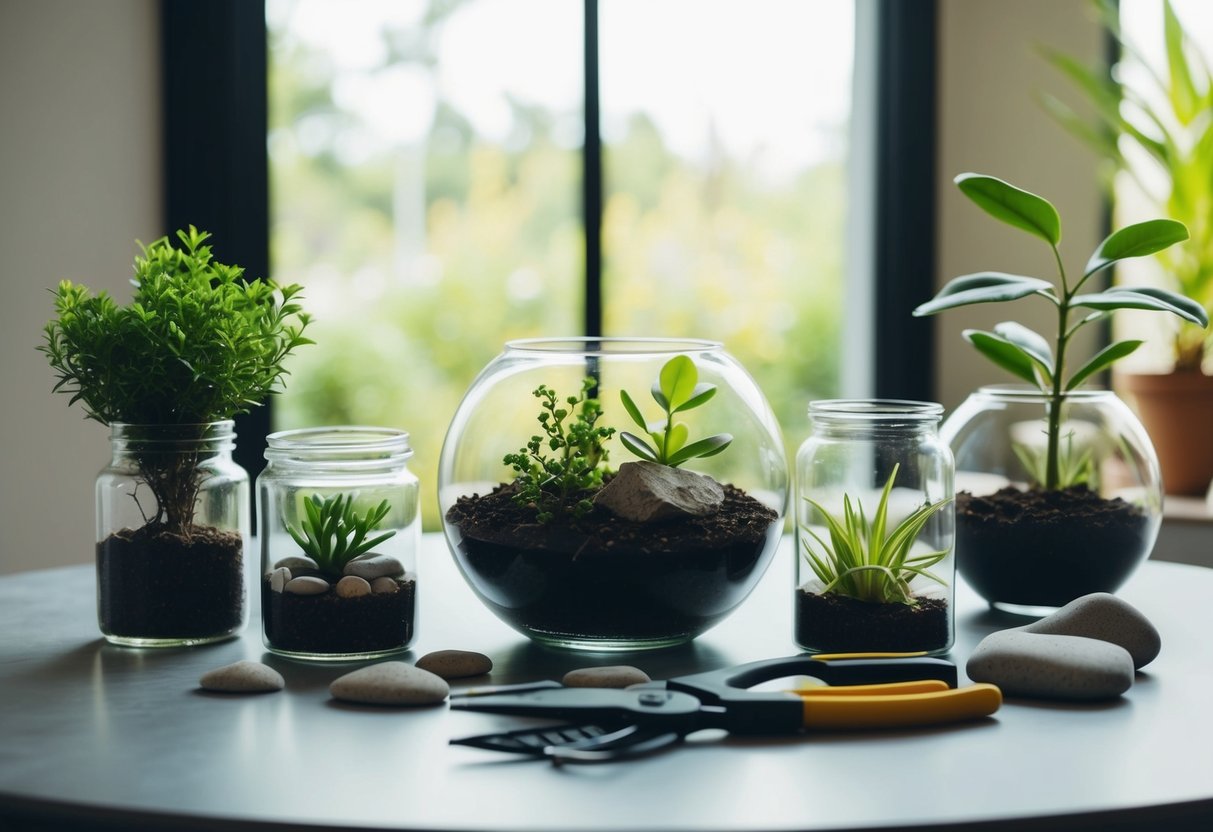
<point x="197" y="344"/>
<point x="677" y="389"/>
<point x="334" y="532"/>
<point x="557" y="484"/>
<point x="860" y="561"/>
<point x="1074" y="466"/>
<point x="1025" y="353"/>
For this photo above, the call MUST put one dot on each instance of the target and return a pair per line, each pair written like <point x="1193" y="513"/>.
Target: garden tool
<point x="853" y="691"/>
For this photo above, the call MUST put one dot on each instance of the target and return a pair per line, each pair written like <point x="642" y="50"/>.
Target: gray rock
<point x="390" y="683"/>
<point x="306" y="586"/>
<point x="384" y="586"/>
<point x="242" y="677"/>
<point x="374" y="566"/>
<point x="279" y="578"/>
<point x="455" y="664"/>
<point x="1048" y="666"/>
<point x="351" y="586"/>
<point x="614" y="676"/>
<point x="296" y="562"/>
<point x="1107" y="618"/>
<point x="644" y="492"/>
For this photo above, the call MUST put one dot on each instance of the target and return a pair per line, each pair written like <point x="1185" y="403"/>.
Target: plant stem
<point x="1053" y="432"/>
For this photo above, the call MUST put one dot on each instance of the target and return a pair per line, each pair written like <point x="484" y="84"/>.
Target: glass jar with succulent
<point x="197" y="345"/>
<point x="1060" y="487"/>
<point x="574" y="552"/>
<point x="1152" y="124"/>
<point x="874" y="529"/>
<point x="340" y="530"/>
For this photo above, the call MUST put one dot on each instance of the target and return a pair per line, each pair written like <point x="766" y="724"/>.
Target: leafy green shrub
<point x="334" y="533"/>
<point x="676" y="390"/>
<point x="860" y="561"/>
<point x="557" y="484"/>
<point x="197" y="344"/>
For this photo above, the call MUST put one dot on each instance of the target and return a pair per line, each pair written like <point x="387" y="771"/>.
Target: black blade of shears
<point x="576" y="743"/>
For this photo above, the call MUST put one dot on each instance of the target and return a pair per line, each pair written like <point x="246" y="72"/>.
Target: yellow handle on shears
<point x="896" y="705"/>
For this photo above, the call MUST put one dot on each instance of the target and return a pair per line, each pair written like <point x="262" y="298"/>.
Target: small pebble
<point x="390" y="683"/>
<point x="375" y="566"/>
<point x="1105" y="617"/>
<point x="242" y="677"/>
<point x="297" y="562"/>
<point x="384" y="586"/>
<point x="614" y="676"/>
<point x="280" y="577"/>
<point x="455" y="664"/>
<point x="351" y="586"/>
<point x="306" y="586"/>
<point x="1050" y="666"/>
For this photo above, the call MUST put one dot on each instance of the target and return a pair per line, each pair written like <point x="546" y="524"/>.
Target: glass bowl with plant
<point x="1060" y="492"/>
<point x="575" y="552"/>
<point x="340" y="530"/>
<point x="197" y="345"/>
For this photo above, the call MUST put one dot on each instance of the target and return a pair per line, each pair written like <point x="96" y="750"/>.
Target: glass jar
<point x="172" y="530"/>
<point x="1025" y="547"/>
<point x="879" y="469"/>
<point x="340" y="531"/>
<point x="578" y="569"/>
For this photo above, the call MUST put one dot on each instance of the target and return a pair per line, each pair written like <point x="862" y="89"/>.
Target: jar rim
<point x="337" y="441"/>
<point x="876" y="409"/>
<point x="173" y="433"/>
<point x="1026" y="392"/>
<point x="612" y="345"/>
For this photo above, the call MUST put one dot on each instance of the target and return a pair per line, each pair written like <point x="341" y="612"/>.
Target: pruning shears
<point x="854" y="691"/>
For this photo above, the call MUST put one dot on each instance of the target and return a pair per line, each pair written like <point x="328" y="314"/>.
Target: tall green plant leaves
<point x="1144" y="297"/>
<point x="1138" y="240"/>
<point x="984" y="287"/>
<point x="1012" y="205"/>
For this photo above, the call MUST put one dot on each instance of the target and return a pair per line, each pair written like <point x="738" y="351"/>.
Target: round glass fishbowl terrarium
<point x="613" y="493"/>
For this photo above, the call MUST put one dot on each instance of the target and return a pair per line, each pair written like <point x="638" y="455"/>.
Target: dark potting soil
<point x="603" y="578"/>
<point x="328" y="623"/>
<point x="832" y="623"/>
<point x="157" y="584"/>
<point x="1046" y="548"/>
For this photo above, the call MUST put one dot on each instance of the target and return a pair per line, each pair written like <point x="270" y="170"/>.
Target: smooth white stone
<point x="297" y="562"/>
<point x="377" y="566"/>
<point x="279" y="578"/>
<point x="1105" y="617"/>
<point x="612" y="676"/>
<point x="390" y="683"/>
<point x="306" y="586"/>
<point x="455" y="664"/>
<point x="351" y="586"/>
<point x="242" y="677"/>
<point x="384" y="586"/>
<point x="1050" y="666"/>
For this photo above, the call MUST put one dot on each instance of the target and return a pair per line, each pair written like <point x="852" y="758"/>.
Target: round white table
<point x="103" y="737"/>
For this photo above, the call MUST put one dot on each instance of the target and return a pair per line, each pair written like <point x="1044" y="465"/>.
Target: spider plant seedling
<point x="861" y="561"/>
<point x="676" y="390"/>
<point x="334" y="532"/>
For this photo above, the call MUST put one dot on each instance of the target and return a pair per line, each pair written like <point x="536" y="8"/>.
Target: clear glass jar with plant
<point x="167" y="372"/>
<point x="1063" y="465"/>
<point x="574" y="552"/>
<point x="340" y="529"/>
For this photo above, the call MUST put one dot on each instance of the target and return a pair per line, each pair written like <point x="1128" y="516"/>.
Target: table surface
<point x="88" y="730"/>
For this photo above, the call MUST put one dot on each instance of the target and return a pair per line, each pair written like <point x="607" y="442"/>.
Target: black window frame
<point x="216" y="170"/>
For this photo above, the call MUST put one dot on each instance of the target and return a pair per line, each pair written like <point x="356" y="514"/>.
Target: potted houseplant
<point x="196" y="346"/>
<point x="575" y="553"/>
<point x="1060" y="525"/>
<point x="1159" y="133"/>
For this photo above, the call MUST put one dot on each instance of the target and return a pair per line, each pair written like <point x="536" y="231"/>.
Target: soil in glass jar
<point x="330" y="626"/>
<point x="833" y="623"/>
<point x="1046" y="548"/>
<point x="601" y="582"/>
<point x="158" y="584"/>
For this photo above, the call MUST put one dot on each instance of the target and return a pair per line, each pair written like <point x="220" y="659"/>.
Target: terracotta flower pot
<point x="1177" y="411"/>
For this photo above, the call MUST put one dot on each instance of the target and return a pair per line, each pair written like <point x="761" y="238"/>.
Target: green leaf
<point x="633" y="410"/>
<point x="678" y="379"/>
<point x="1003" y="353"/>
<point x="1138" y="240"/>
<point x="701" y="449"/>
<point x="1030" y="342"/>
<point x="1184" y="98"/>
<point x="1012" y="205"/>
<point x="1144" y="297"/>
<point x="677" y="438"/>
<point x="638" y="446"/>
<point x="701" y="395"/>
<point x="984" y="287"/>
<point x="1109" y="354"/>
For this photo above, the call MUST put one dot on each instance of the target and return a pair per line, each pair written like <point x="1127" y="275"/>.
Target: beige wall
<point x="990" y="122"/>
<point x="79" y="182"/>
